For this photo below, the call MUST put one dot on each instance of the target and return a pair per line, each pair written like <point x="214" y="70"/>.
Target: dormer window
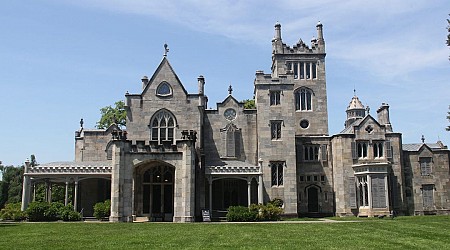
<point x="164" y="89"/>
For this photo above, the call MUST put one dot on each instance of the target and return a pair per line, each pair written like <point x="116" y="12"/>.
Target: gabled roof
<point x="414" y="147"/>
<point x="357" y="123"/>
<point x="164" y="63"/>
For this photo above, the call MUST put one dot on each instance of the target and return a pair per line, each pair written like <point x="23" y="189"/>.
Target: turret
<point x="277" y="44"/>
<point x="383" y="116"/>
<point x="355" y="111"/>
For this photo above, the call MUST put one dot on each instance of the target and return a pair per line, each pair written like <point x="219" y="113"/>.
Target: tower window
<point x="311" y="152"/>
<point x="303" y="99"/>
<point x="275" y="97"/>
<point x="277" y="173"/>
<point x="303" y="70"/>
<point x="275" y="128"/>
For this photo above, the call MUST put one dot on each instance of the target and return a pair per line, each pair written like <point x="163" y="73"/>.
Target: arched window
<point x="162" y="127"/>
<point x="303" y="99"/>
<point x="164" y="89"/>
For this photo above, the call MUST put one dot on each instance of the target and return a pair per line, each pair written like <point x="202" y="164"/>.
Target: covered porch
<point x="232" y="183"/>
<point x="85" y="182"/>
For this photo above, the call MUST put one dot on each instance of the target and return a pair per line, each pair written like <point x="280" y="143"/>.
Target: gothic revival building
<point x="178" y="157"/>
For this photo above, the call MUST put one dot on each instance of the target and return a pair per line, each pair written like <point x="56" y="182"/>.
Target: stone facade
<point x="178" y="157"/>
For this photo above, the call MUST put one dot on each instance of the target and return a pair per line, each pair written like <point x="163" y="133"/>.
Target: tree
<point x="448" y="29"/>
<point x="110" y="115"/>
<point x="448" y="118"/>
<point x="249" y="104"/>
<point x="11" y="185"/>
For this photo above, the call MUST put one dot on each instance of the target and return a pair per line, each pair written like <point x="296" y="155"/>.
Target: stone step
<point x="141" y="219"/>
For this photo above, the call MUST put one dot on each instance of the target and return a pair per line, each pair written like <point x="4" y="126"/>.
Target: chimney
<point x="201" y="90"/>
<point x="144" y="82"/>
<point x="383" y="116"/>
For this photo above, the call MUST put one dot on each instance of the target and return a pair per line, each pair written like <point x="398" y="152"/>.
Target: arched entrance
<point x="157" y="192"/>
<point x="229" y="192"/>
<point x="313" y="199"/>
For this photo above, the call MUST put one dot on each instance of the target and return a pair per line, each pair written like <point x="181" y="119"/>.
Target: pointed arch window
<point x="164" y="89"/>
<point x="303" y="99"/>
<point x="162" y="126"/>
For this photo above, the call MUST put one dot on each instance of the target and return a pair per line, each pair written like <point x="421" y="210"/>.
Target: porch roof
<point x="232" y="167"/>
<point x="72" y="168"/>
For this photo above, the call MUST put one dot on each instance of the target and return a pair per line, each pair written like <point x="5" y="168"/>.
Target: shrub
<point x="270" y="212"/>
<point x="36" y="211"/>
<point x="12" y="211"/>
<point x="241" y="213"/>
<point x="102" y="209"/>
<point x="67" y="213"/>
<point x="277" y="202"/>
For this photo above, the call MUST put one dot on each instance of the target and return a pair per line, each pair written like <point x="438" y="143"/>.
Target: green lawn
<point x="425" y="232"/>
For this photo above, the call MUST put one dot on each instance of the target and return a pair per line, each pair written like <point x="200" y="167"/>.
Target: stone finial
<point x="81" y="123"/>
<point x="230" y="90"/>
<point x="166" y="49"/>
<point x="423" y="139"/>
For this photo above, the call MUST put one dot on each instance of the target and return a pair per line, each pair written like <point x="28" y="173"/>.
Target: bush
<point x="277" y="202"/>
<point x="269" y="212"/>
<point x="241" y="213"/>
<point x="43" y="211"/>
<point x="36" y="211"/>
<point x="12" y="211"/>
<point x="102" y="209"/>
<point x="67" y="213"/>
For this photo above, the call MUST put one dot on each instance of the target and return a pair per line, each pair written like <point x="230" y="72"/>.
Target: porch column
<point x="33" y="191"/>
<point x="386" y="191"/>
<point x="25" y="188"/>
<point x="210" y="195"/>
<point x="249" y="189"/>
<point x="48" y="191"/>
<point x="260" y="183"/>
<point x="369" y="190"/>
<point x="66" y="195"/>
<point x="260" y="190"/>
<point x="75" y="198"/>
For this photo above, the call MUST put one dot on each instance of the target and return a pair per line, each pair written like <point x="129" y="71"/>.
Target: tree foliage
<point x="448" y="118"/>
<point x="249" y="104"/>
<point x="110" y="115"/>
<point x="448" y="29"/>
<point x="11" y="185"/>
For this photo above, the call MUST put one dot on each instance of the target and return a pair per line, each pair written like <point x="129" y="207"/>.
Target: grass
<point x="424" y="232"/>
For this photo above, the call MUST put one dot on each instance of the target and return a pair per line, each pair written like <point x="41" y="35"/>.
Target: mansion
<point x="178" y="157"/>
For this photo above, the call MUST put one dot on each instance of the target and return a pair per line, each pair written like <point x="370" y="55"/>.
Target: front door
<point x="313" y="200"/>
<point x="158" y="193"/>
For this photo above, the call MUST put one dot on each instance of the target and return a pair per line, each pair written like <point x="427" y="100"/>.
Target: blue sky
<point x="64" y="60"/>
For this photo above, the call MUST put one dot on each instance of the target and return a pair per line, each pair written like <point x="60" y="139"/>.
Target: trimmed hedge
<point x="269" y="212"/>
<point x="102" y="209"/>
<point x="43" y="211"/>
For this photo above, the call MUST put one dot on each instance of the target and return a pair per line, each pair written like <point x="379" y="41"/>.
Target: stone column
<point x="249" y="191"/>
<point x="210" y="195"/>
<point x="386" y="191"/>
<point x="66" y="195"/>
<point x="369" y="191"/>
<point x="75" y="198"/>
<point x="260" y="183"/>
<point x="25" y="188"/>
<point x="49" y="191"/>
